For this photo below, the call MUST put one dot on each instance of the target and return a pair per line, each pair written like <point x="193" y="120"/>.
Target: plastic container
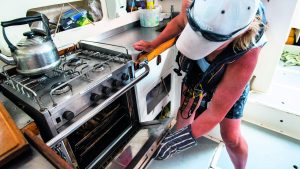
<point x="149" y="17"/>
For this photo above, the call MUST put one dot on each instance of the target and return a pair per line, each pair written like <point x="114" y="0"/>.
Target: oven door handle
<point x="58" y="138"/>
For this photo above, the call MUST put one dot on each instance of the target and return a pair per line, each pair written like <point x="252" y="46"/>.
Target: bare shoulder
<point x="185" y="4"/>
<point x="248" y="61"/>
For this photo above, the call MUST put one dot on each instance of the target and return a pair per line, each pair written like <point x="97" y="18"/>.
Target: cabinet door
<point x="157" y="72"/>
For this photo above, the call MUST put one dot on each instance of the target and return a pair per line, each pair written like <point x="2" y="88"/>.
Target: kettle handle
<point x="22" y="21"/>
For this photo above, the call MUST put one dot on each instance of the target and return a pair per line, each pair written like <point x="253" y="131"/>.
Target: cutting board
<point x="12" y="142"/>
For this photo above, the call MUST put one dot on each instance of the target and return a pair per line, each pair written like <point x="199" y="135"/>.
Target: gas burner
<point x="89" y="52"/>
<point x="100" y="67"/>
<point x="75" y="62"/>
<point x="61" y="90"/>
<point x="37" y="76"/>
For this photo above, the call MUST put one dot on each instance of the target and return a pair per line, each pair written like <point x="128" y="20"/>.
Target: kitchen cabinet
<point x="146" y="92"/>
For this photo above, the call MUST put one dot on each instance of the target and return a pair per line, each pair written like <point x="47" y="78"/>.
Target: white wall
<point x="296" y="18"/>
<point x="279" y="14"/>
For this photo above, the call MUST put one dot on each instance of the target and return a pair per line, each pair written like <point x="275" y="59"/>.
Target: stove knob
<point x="106" y="91"/>
<point x="95" y="97"/>
<point x="68" y="115"/>
<point x="116" y="83"/>
<point x="125" y="77"/>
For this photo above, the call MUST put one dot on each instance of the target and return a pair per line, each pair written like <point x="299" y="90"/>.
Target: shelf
<point x="53" y="13"/>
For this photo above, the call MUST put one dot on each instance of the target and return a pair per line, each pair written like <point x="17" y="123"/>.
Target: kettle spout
<point x="7" y="60"/>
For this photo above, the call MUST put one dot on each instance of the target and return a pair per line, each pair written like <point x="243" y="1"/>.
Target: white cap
<point x="218" y="16"/>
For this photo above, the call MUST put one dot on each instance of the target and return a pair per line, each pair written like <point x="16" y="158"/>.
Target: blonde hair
<point x="244" y="41"/>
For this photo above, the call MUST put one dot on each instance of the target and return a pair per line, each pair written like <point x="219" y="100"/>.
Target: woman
<point x="219" y="41"/>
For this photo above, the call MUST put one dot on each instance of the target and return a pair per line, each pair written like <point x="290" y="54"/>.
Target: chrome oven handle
<point x="58" y="138"/>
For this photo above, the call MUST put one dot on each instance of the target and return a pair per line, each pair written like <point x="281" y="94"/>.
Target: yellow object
<point x="160" y="49"/>
<point x="83" y="21"/>
<point x="290" y="41"/>
<point x="292" y="32"/>
<point x="150" y="4"/>
<point x="291" y="38"/>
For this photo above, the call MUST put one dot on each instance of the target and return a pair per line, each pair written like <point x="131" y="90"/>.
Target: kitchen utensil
<point x="38" y="26"/>
<point x="35" y="54"/>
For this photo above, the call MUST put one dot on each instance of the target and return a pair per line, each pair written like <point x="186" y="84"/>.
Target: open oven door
<point x="139" y="150"/>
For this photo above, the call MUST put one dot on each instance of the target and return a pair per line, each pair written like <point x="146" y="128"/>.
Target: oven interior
<point x="91" y="141"/>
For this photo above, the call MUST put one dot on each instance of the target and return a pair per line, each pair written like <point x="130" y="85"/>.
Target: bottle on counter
<point x="141" y="4"/>
<point x="150" y="4"/>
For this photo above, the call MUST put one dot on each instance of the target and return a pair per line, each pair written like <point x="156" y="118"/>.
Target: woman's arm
<point x="227" y="93"/>
<point x="173" y="29"/>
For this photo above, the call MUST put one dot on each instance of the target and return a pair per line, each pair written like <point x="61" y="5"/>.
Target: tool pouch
<point x="184" y="64"/>
<point x="190" y="101"/>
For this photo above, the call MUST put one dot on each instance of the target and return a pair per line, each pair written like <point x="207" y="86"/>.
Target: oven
<point x="111" y="136"/>
<point x="87" y="109"/>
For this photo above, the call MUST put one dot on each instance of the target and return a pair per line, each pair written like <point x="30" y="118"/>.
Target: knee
<point x="231" y="139"/>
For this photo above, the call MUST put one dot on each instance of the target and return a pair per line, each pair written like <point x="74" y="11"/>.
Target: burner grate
<point x="78" y="64"/>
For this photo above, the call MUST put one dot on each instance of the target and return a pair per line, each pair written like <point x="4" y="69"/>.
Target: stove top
<point x="81" y="69"/>
<point x="90" y="72"/>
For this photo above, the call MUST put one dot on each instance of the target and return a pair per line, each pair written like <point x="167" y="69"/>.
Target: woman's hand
<point x="174" y="143"/>
<point x="143" y="46"/>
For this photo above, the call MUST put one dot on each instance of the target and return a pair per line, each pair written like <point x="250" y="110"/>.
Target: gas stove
<point x="90" y="72"/>
<point x="86" y="109"/>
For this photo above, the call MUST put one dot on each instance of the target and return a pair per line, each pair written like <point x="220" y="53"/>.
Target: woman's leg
<point x="236" y="145"/>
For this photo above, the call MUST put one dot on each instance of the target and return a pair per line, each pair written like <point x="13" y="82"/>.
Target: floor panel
<point x="267" y="150"/>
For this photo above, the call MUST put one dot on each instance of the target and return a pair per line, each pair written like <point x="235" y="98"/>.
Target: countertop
<point x="122" y="37"/>
<point x="31" y="158"/>
<point x="129" y="35"/>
